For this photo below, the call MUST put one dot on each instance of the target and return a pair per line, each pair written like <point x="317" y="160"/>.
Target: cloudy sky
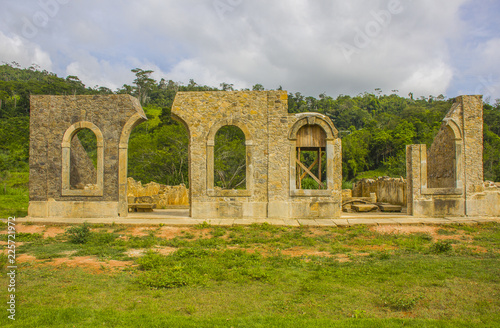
<point x="427" y="47"/>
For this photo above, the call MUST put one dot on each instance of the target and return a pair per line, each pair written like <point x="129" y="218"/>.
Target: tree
<point x="258" y="87"/>
<point x="226" y="86"/>
<point x="144" y="83"/>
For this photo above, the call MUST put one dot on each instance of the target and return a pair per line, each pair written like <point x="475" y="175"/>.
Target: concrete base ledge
<point x="185" y="221"/>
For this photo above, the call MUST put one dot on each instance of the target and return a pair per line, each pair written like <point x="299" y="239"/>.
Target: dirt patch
<point x="380" y="248"/>
<point x="28" y="228"/>
<point x="140" y="231"/>
<point x="342" y="258"/>
<point x="295" y="251"/>
<point x="88" y="263"/>
<point x="404" y="229"/>
<point x="138" y="252"/>
<point x="477" y="249"/>
<point x="165" y="250"/>
<point x="431" y="230"/>
<point x="26" y="258"/>
<point x="135" y="252"/>
<point x="53" y="232"/>
<point x="169" y="232"/>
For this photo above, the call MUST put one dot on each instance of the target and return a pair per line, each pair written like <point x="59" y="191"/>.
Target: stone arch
<point x="444" y="158"/>
<point x="332" y="152"/>
<point x="236" y="122"/>
<point x="457" y="132"/>
<point x="73" y="129"/>
<point x="314" y="119"/>
<point x="211" y="191"/>
<point x="66" y="160"/>
<point x="132" y="122"/>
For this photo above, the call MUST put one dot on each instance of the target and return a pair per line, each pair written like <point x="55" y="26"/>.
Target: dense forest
<point x="374" y="127"/>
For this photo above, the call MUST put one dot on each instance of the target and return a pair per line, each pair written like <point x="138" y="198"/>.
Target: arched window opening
<point x="311" y="158"/>
<point x="230" y="158"/>
<point x="83" y="159"/>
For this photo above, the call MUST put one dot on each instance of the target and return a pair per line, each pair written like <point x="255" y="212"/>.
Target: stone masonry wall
<point x="82" y="171"/>
<point x="431" y="191"/>
<point x="388" y="190"/>
<point x="441" y="160"/>
<point x="50" y="119"/>
<point x="264" y="119"/>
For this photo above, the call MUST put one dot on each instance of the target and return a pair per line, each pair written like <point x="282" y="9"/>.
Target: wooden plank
<point x="319" y="166"/>
<point x="310" y="173"/>
<point x="310" y="168"/>
<point x="300" y="171"/>
<point x="311" y="136"/>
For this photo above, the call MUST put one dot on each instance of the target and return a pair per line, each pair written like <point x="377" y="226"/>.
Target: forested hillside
<point x="375" y="128"/>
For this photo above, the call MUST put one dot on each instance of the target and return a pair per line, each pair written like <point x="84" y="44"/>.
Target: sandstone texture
<point x="162" y="196"/>
<point x="270" y="139"/>
<point x="447" y="179"/>
<point x="54" y="121"/>
<point x="387" y="190"/>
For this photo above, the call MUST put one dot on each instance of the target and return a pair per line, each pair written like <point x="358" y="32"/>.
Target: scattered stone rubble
<point x="162" y="196"/>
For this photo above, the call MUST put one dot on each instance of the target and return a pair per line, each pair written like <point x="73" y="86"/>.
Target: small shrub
<point x="218" y="232"/>
<point x="102" y="238"/>
<point x="401" y="302"/>
<point x="152" y="261"/>
<point x="441" y="247"/>
<point x="79" y="234"/>
<point x="203" y="225"/>
<point x="446" y="232"/>
<point x="164" y="278"/>
<point x="25" y="236"/>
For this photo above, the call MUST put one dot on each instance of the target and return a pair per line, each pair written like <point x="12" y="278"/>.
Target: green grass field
<point x="255" y="276"/>
<point x="14" y="196"/>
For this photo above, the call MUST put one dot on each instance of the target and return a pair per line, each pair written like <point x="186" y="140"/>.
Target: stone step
<point x="364" y="207"/>
<point x="390" y="208"/>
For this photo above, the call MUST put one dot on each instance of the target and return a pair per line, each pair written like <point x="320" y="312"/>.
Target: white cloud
<point x="23" y="52"/>
<point x="294" y="44"/>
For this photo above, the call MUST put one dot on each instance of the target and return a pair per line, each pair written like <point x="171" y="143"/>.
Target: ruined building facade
<point x="283" y="151"/>
<point x="63" y="183"/>
<point x="447" y="179"/>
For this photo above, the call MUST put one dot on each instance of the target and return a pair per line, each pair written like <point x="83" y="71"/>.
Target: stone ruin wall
<point x="270" y="144"/>
<point x="82" y="172"/>
<point x="387" y="190"/>
<point x="53" y="121"/>
<point x="162" y="196"/>
<point x="441" y="160"/>
<point x="447" y="180"/>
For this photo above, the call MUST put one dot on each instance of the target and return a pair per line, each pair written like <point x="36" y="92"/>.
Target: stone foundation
<point x="388" y="190"/>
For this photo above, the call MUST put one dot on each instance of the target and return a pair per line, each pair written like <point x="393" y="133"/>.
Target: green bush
<point x="441" y="247"/>
<point x="79" y="234"/>
<point x="164" y="278"/>
<point x="401" y="301"/>
<point x="152" y="261"/>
